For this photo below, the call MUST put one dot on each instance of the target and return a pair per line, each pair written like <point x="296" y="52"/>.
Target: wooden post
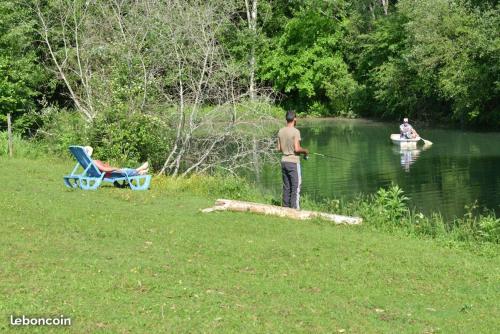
<point x="9" y="133"/>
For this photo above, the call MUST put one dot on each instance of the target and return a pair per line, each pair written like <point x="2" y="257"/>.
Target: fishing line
<point x="329" y="156"/>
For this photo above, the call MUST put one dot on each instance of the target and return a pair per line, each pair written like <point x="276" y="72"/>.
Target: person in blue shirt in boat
<point x="407" y="131"/>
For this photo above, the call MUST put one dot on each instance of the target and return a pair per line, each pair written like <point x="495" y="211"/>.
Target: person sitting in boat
<point x="407" y="131"/>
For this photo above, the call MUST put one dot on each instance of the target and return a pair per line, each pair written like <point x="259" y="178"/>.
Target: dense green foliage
<point x="23" y="78"/>
<point x="149" y="262"/>
<point x="131" y="65"/>
<point x="440" y="58"/>
<point x="306" y="63"/>
<point x="426" y="59"/>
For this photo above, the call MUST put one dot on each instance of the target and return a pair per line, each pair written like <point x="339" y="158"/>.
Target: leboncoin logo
<point x="40" y="321"/>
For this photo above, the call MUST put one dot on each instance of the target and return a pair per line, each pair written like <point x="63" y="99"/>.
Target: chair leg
<point x="90" y="183"/>
<point x="120" y="184"/>
<point x="72" y="182"/>
<point x="139" y="182"/>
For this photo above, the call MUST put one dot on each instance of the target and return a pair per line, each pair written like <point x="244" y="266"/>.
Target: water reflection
<point x="408" y="157"/>
<point x="409" y="154"/>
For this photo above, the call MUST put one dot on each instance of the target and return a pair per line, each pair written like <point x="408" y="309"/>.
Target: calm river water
<point x="458" y="169"/>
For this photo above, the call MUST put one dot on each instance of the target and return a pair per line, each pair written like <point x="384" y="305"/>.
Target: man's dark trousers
<point x="291" y="184"/>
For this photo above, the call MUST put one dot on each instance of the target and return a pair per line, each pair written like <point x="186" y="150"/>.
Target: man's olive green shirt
<point x="286" y="137"/>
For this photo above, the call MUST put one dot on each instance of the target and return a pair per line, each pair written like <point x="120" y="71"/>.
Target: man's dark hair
<point x="290" y="116"/>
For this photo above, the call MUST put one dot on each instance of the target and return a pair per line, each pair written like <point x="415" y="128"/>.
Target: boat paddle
<point x="426" y="142"/>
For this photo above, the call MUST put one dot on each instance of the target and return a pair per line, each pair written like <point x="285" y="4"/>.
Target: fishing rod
<point x="328" y="156"/>
<point x="306" y="157"/>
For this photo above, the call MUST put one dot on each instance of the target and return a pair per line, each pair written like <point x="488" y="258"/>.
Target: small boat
<point x="397" y="140"/>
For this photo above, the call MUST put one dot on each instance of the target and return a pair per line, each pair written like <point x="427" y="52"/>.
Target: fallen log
<point x="240" y="206"/>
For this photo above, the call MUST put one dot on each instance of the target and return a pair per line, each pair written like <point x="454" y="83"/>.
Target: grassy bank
<point x="144" y="262"/>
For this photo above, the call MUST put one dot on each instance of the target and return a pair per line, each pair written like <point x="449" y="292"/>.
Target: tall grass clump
<point x="22" y="148"/>
<point x="211" y="186"/>
<point x="388" y="210"/>
<point x="476" y="225"/>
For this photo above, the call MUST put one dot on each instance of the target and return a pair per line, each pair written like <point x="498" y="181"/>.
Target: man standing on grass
<point x="289" y="145"/>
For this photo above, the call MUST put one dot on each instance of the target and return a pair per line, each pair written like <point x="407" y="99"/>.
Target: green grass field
<point x="117" y="261"/>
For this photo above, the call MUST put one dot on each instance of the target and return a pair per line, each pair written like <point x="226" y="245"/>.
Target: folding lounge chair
<point x="91" y="177"/>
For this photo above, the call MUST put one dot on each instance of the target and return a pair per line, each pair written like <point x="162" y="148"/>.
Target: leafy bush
<point x="129" y="139"/>
<point x="392" y="203"/>
<point x="475" y="226"/>
<point x="118" y="137"/>
<point x="489" y="229"/>
<point x="307" y="64"/>
<point x="387" y="209"/>
<point x="62" y="128"/>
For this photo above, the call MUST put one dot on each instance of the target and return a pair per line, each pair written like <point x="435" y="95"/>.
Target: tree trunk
<point x="239" y="206"/>
<point x="372" y="10"/>
<point x="385" y="4"/>
<point x="252" y="25"/>
<point x="252" y="74"/>
<point x="59" y="65"/>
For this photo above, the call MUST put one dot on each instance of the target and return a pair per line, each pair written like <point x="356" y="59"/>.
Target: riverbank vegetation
<point x="115" y="260"/>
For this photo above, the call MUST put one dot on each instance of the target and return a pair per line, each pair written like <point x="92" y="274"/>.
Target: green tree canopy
<point x="22" y="77"/>
<point x="306" y="61"/>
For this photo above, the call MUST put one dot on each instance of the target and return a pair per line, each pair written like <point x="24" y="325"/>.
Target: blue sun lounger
<point x="91" y="177"/>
